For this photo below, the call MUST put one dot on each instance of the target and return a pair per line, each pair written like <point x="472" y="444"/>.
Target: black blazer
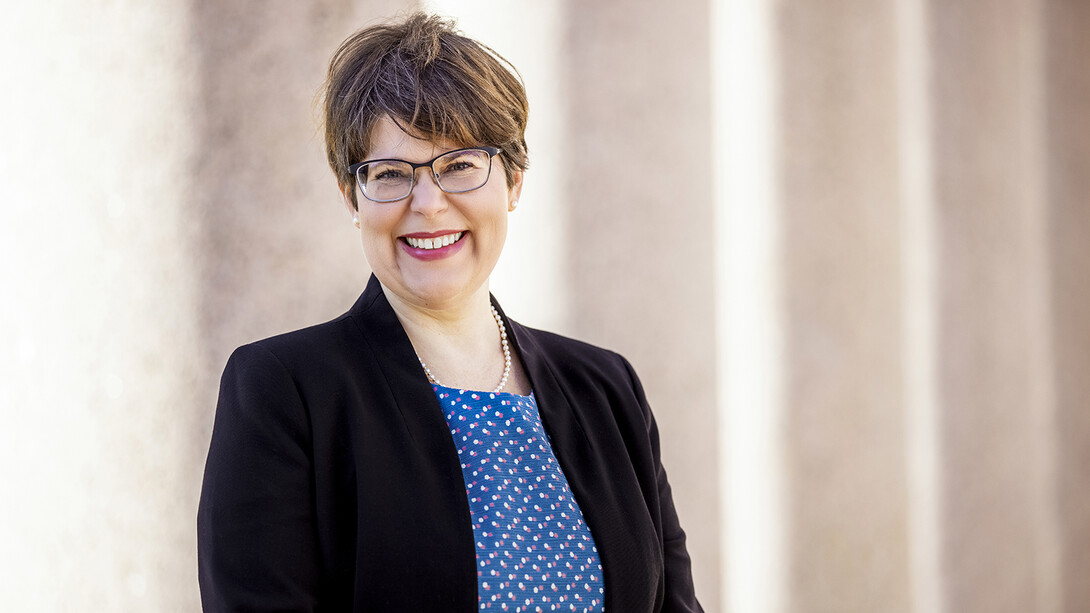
<point x="333" y="483"/>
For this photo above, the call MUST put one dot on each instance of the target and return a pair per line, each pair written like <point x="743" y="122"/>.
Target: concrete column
<point x="1068" y="186"/>
<point x="99" y="378"/>
<point x="529" y="280"/>
<point x="278" y="247"/>
<point x="640" y="252"/>
<point x="994" y="356"/>
<point x="839" y="199"/>
<point x="749" y="311"/>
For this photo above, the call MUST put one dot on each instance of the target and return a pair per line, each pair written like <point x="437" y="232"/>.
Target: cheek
<point x="377" y="238"/>
<point x="377" y="225"/>
<point x="498" y="230"/>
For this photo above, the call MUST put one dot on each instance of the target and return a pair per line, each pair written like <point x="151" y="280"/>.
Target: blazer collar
<point x="383" y="330"/>
<point x="560" y="419"/>
<point x="408" y="385"/>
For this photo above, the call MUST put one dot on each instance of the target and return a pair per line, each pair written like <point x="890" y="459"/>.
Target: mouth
<point x="434" y="242"/>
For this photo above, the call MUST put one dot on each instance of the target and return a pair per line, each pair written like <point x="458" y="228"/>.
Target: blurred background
<point x="843" y="242"/>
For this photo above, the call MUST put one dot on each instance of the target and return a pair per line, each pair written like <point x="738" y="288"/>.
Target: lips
<point x="430" y="246"/>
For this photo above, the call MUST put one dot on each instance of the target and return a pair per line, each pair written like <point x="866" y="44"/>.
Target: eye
<point x="460" y="162"/>
<point x="389" y="173"/>
<point x="458" y="165"/>
<point x="386" y="172"/>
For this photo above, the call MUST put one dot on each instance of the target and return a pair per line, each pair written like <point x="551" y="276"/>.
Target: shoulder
<point x="307" y="356"/>
<point x="308" y="343"/>
<point x="558" y="345"/>
<point x="366" y="328"/>
<point x="304" y="345"/>
<point x="576" y="361"/>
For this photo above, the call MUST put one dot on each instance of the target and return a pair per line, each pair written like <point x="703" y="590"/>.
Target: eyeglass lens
<point x="457" y="171"/>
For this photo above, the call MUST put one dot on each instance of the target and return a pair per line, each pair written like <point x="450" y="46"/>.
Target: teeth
<point x="433" y="243"/>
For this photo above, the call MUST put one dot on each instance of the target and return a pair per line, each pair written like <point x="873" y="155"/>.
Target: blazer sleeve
<point x="256" y="534"/>
<point x="680" y="595"/>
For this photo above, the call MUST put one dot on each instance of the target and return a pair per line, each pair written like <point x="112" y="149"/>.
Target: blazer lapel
<point x="563" y="425"/>
<point x="412" y="392"/>
<point x="612" y="509"/>
<point x="421" y="489"/>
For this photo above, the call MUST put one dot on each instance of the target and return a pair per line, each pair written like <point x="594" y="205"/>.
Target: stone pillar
<point x="99" y="372"/>
<point x="640" y="251"/>
<point x="529" y="279"/>
<point x="994" y="355"/>
<point x="267" y="204"/>
<point x="839" y="201"/>
<point x="1067" y="181"/>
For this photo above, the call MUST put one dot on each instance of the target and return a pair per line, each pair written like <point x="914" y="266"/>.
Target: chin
<point x="439" y="289"/>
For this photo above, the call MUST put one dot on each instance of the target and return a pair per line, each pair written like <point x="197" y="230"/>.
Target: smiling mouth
<point x="437" y="242"/>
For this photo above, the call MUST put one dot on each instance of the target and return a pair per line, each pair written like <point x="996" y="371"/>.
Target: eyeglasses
<point x="455" y="172"/>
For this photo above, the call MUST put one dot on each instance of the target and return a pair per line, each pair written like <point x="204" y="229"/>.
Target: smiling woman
<point x="432" y="244"/>
<point x="342" y="475"/>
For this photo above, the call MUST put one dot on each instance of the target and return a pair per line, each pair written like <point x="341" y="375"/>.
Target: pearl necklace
<point x="506" y="356"/>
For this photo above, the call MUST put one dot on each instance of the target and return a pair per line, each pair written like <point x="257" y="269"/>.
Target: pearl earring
<point x="514" y="205"/>
<point x="356" y="221"/>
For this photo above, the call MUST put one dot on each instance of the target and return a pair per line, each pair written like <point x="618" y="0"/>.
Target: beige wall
<point x="844" y="244"/>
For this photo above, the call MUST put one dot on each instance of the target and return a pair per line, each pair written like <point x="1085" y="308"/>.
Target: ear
<point x="514" y="192"/>
<point x="346" y="194"/>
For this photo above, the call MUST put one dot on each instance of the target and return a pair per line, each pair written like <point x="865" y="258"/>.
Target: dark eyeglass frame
<point x="355" y="170"/>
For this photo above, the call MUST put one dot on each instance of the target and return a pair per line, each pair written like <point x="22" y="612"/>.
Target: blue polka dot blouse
<point x="534" y="551"/>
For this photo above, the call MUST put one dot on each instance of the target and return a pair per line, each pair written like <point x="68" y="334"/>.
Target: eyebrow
<point x="388" y="159"/>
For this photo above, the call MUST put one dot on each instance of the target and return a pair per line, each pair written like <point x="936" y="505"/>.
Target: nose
<point x="426" y="198"/>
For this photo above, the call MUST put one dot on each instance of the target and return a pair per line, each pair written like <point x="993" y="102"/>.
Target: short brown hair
<point x="433" y="82"/>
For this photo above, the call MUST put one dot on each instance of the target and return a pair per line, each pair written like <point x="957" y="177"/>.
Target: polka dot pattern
<point x="534" y="551"/>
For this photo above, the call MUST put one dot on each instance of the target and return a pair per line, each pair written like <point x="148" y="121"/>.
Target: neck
<point x="463" y="321"/>
<point x="460" y="344"/>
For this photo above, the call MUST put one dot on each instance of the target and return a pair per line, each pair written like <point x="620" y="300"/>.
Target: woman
<point x="423" y="452"/>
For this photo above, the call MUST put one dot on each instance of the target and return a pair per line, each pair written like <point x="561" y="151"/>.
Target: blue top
<point x="534" y="551"/>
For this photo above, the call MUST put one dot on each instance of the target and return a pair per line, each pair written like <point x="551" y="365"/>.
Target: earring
<point x="356" y="221"/>
<point x="514" y="205"/>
